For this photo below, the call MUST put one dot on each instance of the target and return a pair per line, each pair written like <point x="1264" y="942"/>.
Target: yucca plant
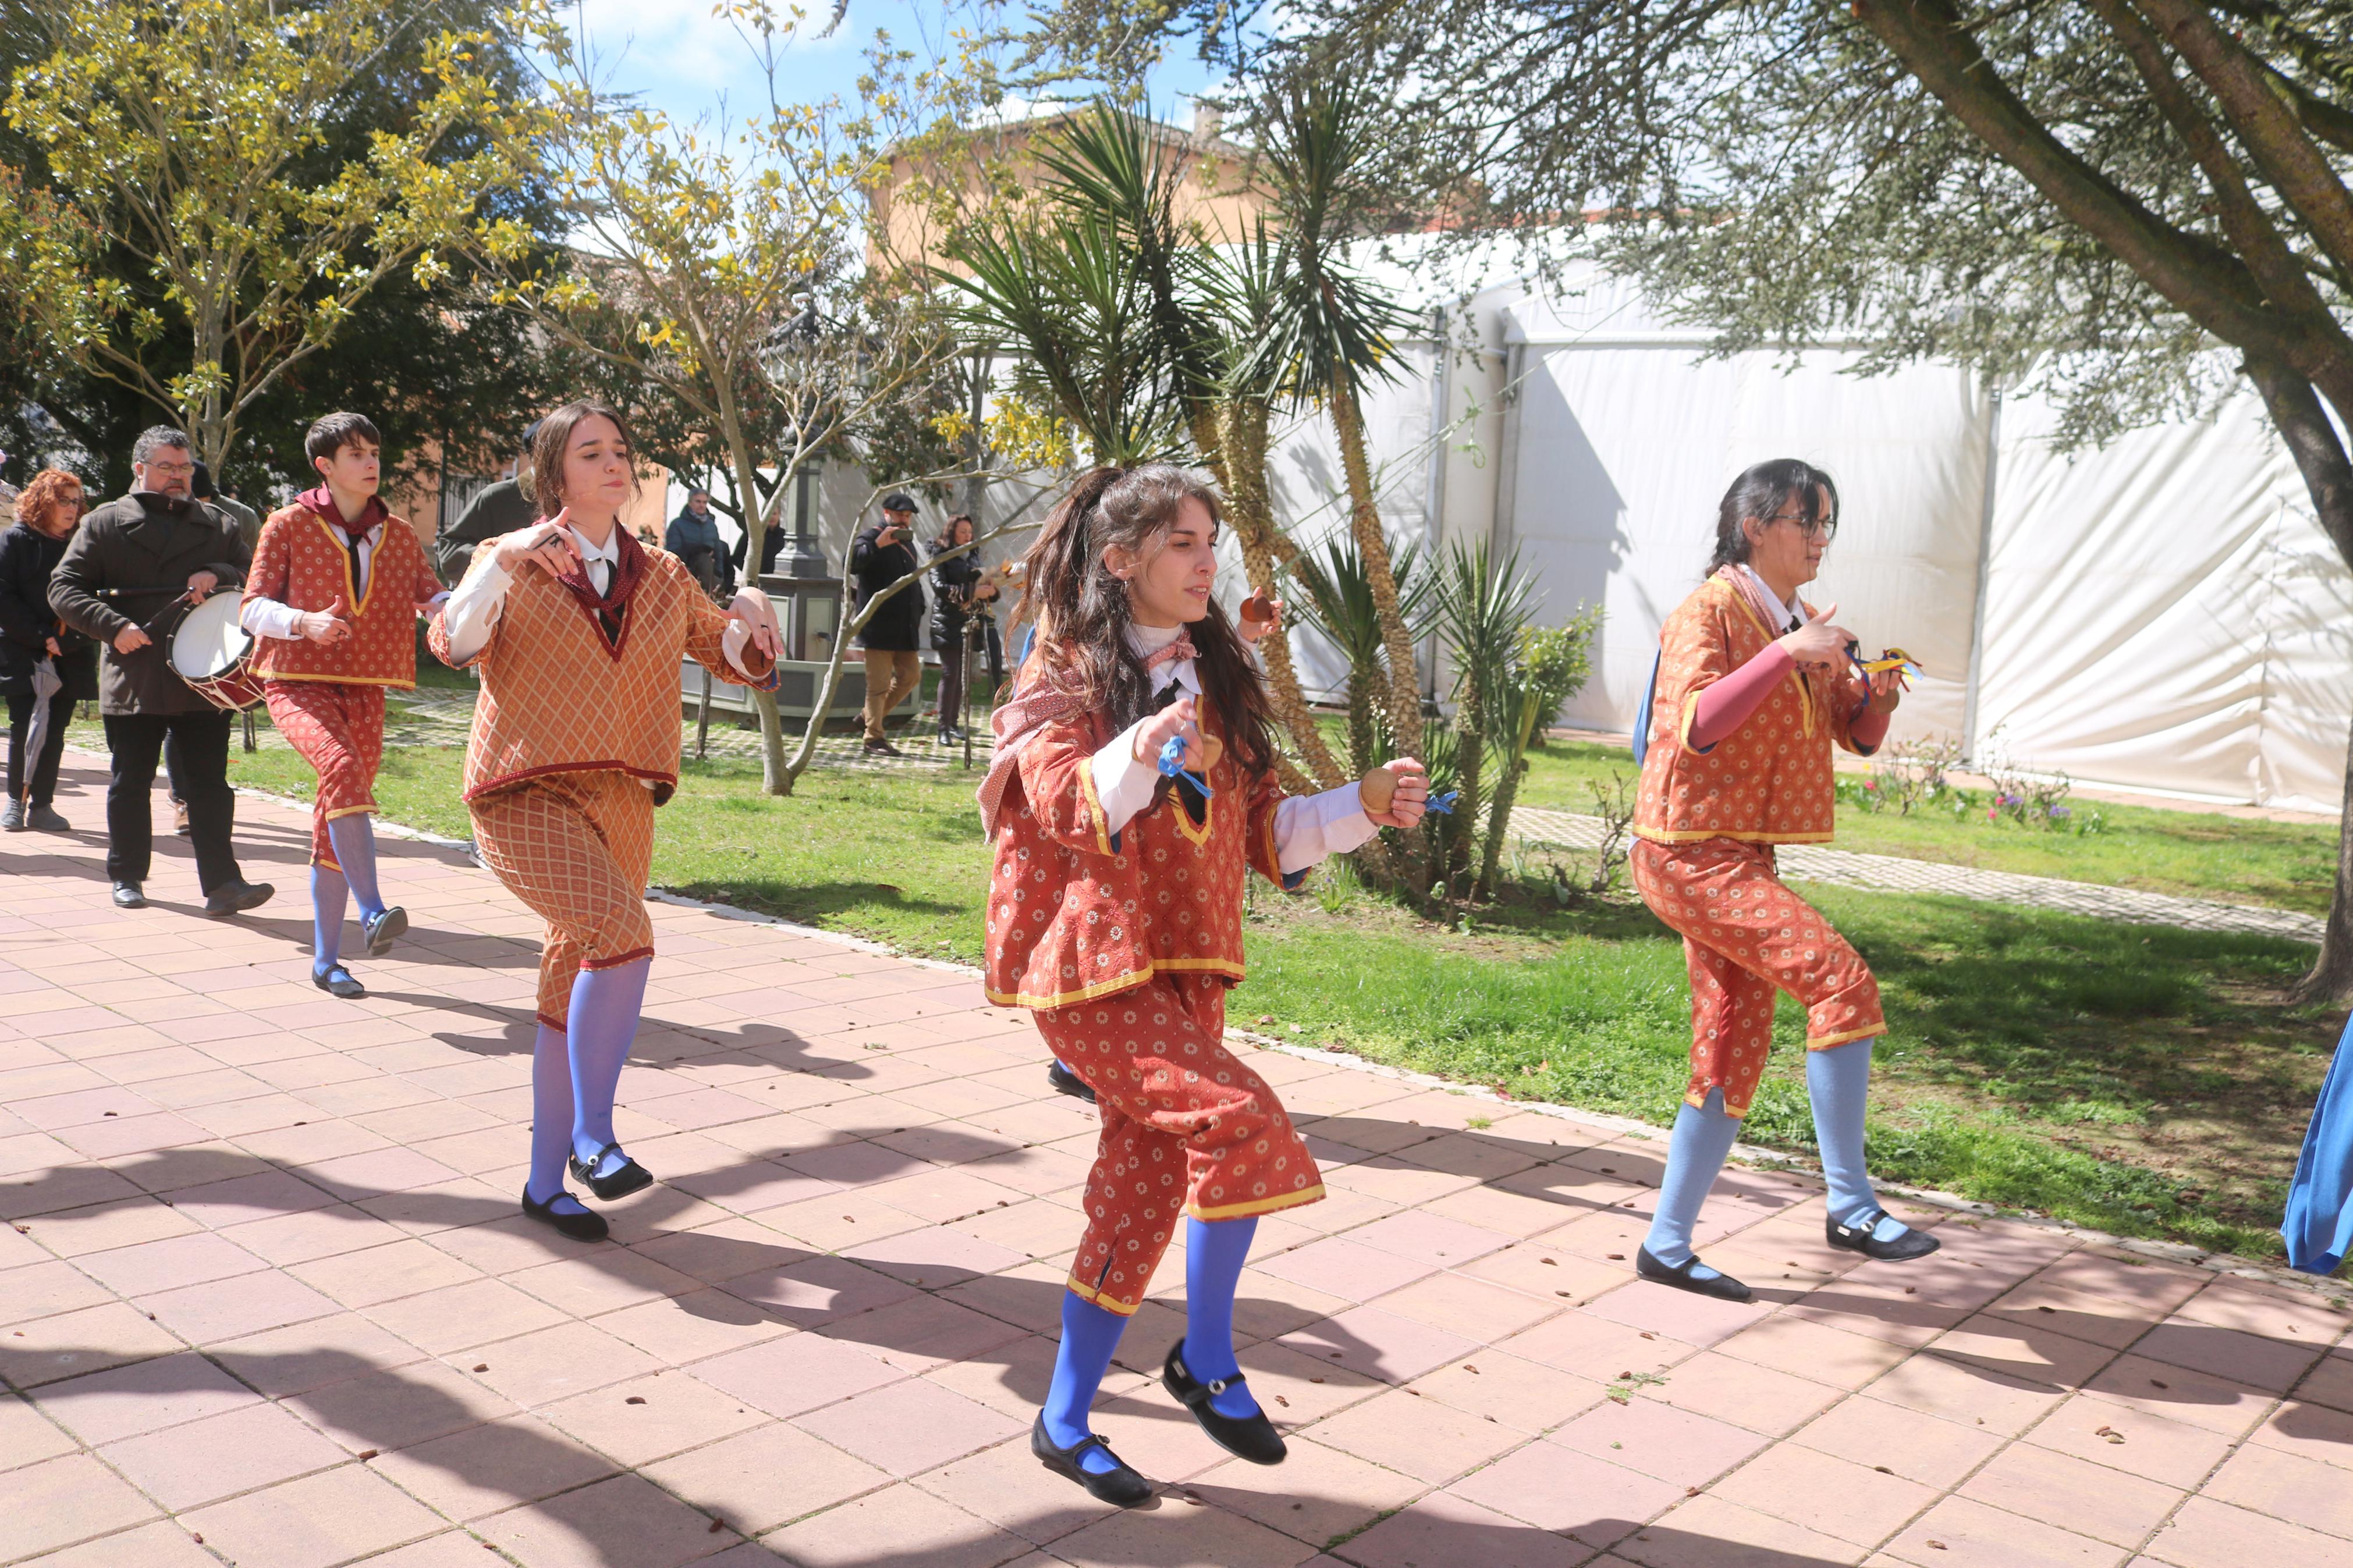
<point x="1549" y="666"/>
<point x="1484" y="605"/>
<point x="1338" y="603"/>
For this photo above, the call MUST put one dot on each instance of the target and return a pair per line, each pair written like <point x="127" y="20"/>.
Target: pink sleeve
<point x="1726" y="704"/>
<point x="1867" y="729"/>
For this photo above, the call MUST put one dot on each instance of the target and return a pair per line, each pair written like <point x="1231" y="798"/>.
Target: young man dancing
<point x="336" y="586"/>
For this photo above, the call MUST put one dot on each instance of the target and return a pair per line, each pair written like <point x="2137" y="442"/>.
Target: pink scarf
<point x="1033" y="706"/>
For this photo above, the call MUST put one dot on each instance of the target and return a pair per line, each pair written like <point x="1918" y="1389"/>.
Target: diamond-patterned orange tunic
<point x="576" y="741"/>
<point x="1706" y="824"/>
<point x="1126" y="943"/>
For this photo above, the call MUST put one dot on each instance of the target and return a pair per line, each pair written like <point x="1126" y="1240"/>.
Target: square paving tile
<point x="1559" y="1489"/>
<point x="313" y="1522"/>
<point x="737" y="1479"/>
<point x="1445" y="1527"/>
<point x="908" y="1427"/>
<point x="801" y="1372"/>
<point x="204" y="1462"/>
<point x="146" y="1396"/>
<point x="647" y="1418"/>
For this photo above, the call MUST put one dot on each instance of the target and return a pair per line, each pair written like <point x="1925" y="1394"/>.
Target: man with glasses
<point x="130" y="561"/>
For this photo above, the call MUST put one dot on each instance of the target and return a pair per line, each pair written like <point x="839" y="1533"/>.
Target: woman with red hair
<point x="37" y="650"/>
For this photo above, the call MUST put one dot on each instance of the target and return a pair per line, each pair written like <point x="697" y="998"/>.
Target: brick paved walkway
<point x="265" y="1298"/>
<point x="1845" y="868"/>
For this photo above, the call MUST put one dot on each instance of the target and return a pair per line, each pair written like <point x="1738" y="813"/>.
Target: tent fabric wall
<point x="1628" y="437"/>
<point x="2166" y="615"/>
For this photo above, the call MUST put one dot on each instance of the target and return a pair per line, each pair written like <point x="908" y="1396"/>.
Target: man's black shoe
<point x="129" y="895"/>
<point x="1065" y="1081"/>
<point x="236" y="898"/>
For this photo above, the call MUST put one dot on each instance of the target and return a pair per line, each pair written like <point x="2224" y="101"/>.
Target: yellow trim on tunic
<point x="384" y="681"/>
<point x="1830" y="1042"/>
<point x="1094" y="804"/>
<point x="357" y="601"/>
<point x="1133" y="978"/>
<point x="1086" y="1293"/>
<point x="341" y="812"/>
<point x="1702" y="835"/>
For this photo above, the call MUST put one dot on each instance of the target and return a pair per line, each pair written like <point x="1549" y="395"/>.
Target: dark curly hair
<point x="1760" y="493"/>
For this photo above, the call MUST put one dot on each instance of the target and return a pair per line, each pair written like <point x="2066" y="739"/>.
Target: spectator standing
<point x="32" y="637"/>
<point x="496" y="509"/>
<point x="959" y="589"/>
<point x="883" y="552"/>
<point x="131" y="561"/>
<point x="693" y="537"/>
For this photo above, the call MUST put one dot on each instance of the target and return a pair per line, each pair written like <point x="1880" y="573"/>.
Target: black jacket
<point x="898" y="625"/>
<point x="144" y="542"/>
<point x="952" y="585"/>
<point x="495" y="509"/>
<point x="28" y="557"/>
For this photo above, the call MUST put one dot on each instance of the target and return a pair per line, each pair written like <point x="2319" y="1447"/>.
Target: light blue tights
<point x="1837" y="1082"/>
<point x="354" y="839"/>
<point x="329" y="892"/>
<point x="605" y="1005"/>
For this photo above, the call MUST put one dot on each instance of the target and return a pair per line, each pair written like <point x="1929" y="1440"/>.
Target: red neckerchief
<point x="629" y="570"/>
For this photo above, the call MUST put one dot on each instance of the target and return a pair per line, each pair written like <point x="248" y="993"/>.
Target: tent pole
<point x="1985" y="564"/>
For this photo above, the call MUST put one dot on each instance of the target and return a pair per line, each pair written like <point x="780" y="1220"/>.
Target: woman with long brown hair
<point x="1132" y="790"/>
<point x="577" y="630"/>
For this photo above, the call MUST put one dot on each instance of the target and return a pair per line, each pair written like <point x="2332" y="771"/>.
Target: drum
<point x="210" y="651"/>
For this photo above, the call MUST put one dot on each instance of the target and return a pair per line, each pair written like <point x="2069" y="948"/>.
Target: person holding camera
<point x="962" y="589"/>
<point x="884" y="553"/>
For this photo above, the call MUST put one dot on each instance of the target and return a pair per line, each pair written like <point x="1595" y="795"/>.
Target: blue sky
<point x="682" y="59"/>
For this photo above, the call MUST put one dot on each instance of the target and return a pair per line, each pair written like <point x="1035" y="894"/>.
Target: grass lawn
<point x="2142" y="1080"/>
<point x="2288" y="865"/>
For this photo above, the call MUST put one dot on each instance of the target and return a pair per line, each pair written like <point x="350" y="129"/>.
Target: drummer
<point x="336" y="586"/>
<point x="132" y="563"/>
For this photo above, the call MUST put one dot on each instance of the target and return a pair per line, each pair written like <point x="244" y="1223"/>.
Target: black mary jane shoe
<point x="1121" y="1487"/>
<point x="1062" y="1080"/>
<point x="380" y="929"/>
<point x="1858" y="1238"/>
<point x="581" y="1227"/>
<point x="631" y="1177"/>
<point x="1723" y="1287"/>
<point x="337" y="982"/>
<point x="1252" y="1436"/>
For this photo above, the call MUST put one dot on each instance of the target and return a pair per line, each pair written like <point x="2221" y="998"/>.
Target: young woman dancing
<point x="1132" y="790"/>
<point x="577" y="630"/>
<point x="1753" y="688"/>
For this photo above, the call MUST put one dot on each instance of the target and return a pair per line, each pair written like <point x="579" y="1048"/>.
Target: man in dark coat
<point x="45" y="669"/>
<point x="693" y="537"/>
<point x="884" y="553"/>
<point x="497" y="508"/>
<point x="131" y="561"/>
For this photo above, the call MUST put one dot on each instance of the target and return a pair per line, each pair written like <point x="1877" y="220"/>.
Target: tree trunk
<point x="2320" y="458"/>
<point x="1470" y="764"/>
<point x="776" y="778"/>
<point x="1243" y="451"/>
<point x="1507" y="790"/>
<point x="1365" y="522"/>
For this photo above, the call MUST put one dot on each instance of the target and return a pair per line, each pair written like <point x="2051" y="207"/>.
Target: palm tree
<point x="1338" y="603"/>
<point x="1334" y="334"/>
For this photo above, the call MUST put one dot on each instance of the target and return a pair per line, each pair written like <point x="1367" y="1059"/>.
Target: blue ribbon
<point x="1444" y="804"/>
<point x="1172" y="763"/>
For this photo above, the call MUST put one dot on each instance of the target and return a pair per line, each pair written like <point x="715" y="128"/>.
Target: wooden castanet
<point x="1377" y="789"/>
<point x="1257" y="607"/>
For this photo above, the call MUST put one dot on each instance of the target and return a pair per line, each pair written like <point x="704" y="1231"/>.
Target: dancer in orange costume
<point x="1132" y="790"/>
<point x="579" y="631"/>
<point x="1754" y="687"/>
<point x="333" y="599"/>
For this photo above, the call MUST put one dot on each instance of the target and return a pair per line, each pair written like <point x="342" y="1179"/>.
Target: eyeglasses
<point x="1812" y="528"/>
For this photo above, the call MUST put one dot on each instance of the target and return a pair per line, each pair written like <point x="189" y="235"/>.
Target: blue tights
<point x="328" y="894"/>
<point x="1214" y="1254"/>
<point x="605" y="1005"/>
<point x="1838" y="1083"/>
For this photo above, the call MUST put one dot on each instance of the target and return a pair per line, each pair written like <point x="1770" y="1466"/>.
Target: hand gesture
<point x="1886" y="690"/>
<point x="131" y="639"/>
<point x="1252" y="630"/>
<point x="545" y="545"/>
<point x="1819" y="642"/>
<point x="55" y="651"/>
<point x="200" y="586"/>
<point x="1411" y="798"/>
<point x="327" y="626"/>
<point x="752" y="608"/>
<point x="1180" y="718"/>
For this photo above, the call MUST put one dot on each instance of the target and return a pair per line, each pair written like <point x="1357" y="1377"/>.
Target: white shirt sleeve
<point x="473" y="608"/>
<point x="1123" y="786"/>
<point x="269" y="618"/>
<point x="435" y="602"/>
<point x="1307" y="827"/>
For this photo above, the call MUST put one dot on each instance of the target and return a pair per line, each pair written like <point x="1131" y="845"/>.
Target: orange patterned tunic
<point x="1768" y="781"/>
<point x="1077" y="912"/>
<point x="557" y="698"/>
<point x="298" y="561"/>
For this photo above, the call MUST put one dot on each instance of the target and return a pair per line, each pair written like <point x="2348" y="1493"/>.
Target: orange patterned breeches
<point x="576" y="847"/>
<point x="1186" y="1129"/>
<point x="1746" y="937"/>
<point x="339" y="730"/>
